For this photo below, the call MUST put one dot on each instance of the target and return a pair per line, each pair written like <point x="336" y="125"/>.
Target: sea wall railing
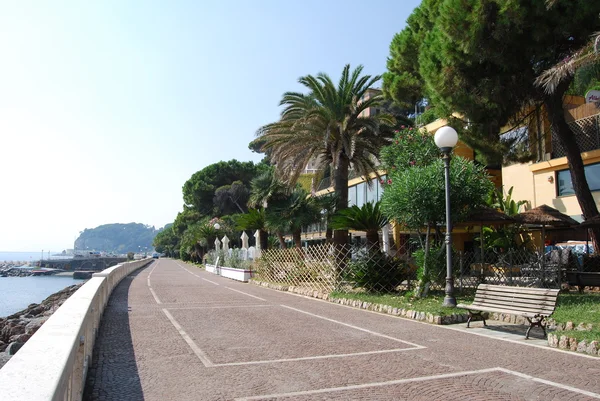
<point x="53" y="364"/>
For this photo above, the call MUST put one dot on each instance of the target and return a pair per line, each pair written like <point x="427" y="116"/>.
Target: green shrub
<point x="376" y="272"/>
<point x="436" y="262"/>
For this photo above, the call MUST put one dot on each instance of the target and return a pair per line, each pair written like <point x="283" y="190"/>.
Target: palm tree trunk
<point x="340" y="186"/>
<point x="297" y="235"/>
<point x="328" y="235"/>
<point x="373" y="240"/>
<point x="281" y="239"/>
<point x="554" y="106"/>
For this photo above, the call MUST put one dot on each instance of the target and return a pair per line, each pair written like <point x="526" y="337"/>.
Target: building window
<point x="351" y="196"/>
<point x="565" y="185"/>
<point x="372" y="191"/>
<point x="361" y="194"/>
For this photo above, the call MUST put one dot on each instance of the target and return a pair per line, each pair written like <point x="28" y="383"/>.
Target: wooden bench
<point x="534" y="304"/>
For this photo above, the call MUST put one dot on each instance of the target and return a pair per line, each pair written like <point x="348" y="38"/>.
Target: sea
<point x="16" y="293"/>
<point x="28" y="256"/>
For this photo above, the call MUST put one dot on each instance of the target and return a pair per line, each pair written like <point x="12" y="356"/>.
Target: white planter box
<point x="235" y="274"/>
<point x="211" y="268"/>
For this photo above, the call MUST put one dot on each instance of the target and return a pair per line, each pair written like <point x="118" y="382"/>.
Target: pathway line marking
<point x="311" y="358"/>
<point x="151" y="271"/>
<point x="150" y="287"/>
<point x="155" y="296"/>
<point x="194" y="274"/>
<point x="551" y="383"/>
<point x="366" y="385"/>
<point x="199" y="353"/>
<point x="245" y="293"/>
<point x="221" y="307"/>
<point x="419" y="379"/>
<point x="416" y="346"/>
<point x="212" y="282"/>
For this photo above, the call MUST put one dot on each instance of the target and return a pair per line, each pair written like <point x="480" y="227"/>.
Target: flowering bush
<point x="410" y="148"/>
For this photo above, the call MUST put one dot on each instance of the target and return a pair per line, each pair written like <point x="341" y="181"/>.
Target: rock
<point x="36" y="311"/>
<point x="592" y="348"/>
<point x="563" y="343"/>
<point x="582" y="346"/>
<point x="569" y="326"/>
<point x="34" y="325"/>
<point x="4" y="357"/>
<point x="13" y="348"/>
<point x="552" y="340"/>
<point x="573" y="344"/>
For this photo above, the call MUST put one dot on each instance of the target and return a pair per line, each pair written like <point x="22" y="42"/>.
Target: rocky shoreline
<point x="17" y="328"/>
<point x="14" y="270"/>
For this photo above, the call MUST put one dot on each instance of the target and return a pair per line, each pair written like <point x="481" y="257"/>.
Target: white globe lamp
<point x="446" y="138"/>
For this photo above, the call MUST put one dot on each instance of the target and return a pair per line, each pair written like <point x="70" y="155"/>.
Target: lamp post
<point x="446" y="139"/>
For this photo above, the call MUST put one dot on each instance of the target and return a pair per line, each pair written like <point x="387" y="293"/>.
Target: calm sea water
<point x="16" y="293"/>
<point x="26" y="256"/>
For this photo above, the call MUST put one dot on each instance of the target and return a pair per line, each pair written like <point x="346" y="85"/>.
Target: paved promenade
<point x="174" y="332"/>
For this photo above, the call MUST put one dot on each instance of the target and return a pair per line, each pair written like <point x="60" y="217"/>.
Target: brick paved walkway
<point x="175" y="332"/>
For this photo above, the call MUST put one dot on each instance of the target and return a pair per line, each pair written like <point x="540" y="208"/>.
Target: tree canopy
<point x="199" y="190"/>
<point x="481" y="58"/>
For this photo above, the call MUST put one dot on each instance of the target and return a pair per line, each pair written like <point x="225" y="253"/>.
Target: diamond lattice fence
<point x="587" y="136"/>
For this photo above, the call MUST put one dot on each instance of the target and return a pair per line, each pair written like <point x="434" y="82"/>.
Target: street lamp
<point x="446" y="138"/>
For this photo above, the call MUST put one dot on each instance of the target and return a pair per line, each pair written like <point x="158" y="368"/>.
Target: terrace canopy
<point x="545" y="215"/>
<point x="484" y="215"/>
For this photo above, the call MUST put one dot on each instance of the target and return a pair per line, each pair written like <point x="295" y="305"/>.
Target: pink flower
<point x="402" y="126"/>
<point x="410" y="129"/>
<point x="396" y="142"/>
<point x="381" y="181"/>
<point x="412" y="162"/>
<point x="389" y="181"/>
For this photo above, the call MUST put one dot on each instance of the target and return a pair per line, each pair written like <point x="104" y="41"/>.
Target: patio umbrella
<point x="545" y="215"/>
<point x="484" y="215"/>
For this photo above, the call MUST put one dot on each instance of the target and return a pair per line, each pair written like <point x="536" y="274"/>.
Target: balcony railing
<point x="587" y="136"/>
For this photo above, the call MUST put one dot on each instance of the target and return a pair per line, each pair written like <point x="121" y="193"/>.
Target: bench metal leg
<point x="475" y="313"/>
<point x="537" y="321"/>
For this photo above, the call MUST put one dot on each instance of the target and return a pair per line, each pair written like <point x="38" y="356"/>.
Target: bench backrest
<point x="521" y="299"/>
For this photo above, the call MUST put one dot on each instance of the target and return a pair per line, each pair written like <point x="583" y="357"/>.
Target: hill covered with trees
<point x="117" y="238"/>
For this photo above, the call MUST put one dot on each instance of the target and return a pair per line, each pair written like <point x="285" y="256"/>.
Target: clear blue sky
<point x="108" y="107"/>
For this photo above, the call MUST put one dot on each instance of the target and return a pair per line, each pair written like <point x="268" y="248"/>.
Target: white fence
<point x="53" y="364"/>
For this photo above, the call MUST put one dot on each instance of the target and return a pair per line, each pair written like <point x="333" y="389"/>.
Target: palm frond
<point x="566" y="69"/>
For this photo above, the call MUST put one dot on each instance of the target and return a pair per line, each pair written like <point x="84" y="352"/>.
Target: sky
<point x="108" y="108"/>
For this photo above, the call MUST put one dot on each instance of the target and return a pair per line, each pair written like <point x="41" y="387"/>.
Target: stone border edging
<point x="381" y="308"/>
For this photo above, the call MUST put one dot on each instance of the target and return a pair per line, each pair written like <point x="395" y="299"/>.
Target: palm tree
<point x="255" y="219"/>
<point x="264" y="189"/>
<point x="326" y="203"/>
<point x="367" y="218"/>
<point x="292" y="213"/>
<point x="327" y="125"/>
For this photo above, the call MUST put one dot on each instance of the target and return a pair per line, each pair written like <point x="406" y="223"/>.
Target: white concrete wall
<point x="53" y="364"/>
